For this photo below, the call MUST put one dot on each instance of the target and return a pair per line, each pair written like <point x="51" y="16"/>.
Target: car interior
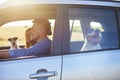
<point x="20" y="14"/>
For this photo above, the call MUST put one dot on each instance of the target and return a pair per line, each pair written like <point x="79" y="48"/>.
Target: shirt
<point x="40" y="48"/>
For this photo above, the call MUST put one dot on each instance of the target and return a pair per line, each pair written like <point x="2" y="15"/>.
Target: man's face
<point x="38" y="31"/>
<point x="35" y="32"/>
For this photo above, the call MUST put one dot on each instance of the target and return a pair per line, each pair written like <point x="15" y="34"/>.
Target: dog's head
<point x="94" y="37"/>
<point x="13" y="40"/>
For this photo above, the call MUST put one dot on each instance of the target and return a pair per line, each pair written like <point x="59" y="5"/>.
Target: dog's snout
<point x="13" y="43"/>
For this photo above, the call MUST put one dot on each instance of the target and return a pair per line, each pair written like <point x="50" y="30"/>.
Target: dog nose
<point x="13" y="43"/>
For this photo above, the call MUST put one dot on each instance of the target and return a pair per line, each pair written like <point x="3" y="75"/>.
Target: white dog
<point x="92" y="40"/>
<point x="13" y="42"/>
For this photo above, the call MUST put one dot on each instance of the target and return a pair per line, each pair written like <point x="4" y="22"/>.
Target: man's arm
<point x="4" y="54"/>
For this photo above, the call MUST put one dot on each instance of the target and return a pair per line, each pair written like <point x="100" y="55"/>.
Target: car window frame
<point x="57" y="37"/>
<point x="115" y="9"/>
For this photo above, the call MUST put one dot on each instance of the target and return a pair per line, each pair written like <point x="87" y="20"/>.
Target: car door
<point x="94" y="63"/>
<point x="35" y="68"/>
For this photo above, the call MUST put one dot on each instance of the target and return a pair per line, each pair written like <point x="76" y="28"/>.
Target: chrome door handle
<point x="43" y="74"/>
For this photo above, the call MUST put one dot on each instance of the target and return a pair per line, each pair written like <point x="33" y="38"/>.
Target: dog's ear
<point x="9" y="39"/>
<point x="15" y="38"/>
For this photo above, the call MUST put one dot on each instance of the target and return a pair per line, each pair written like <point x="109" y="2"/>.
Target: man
<point x="40" y="29"/>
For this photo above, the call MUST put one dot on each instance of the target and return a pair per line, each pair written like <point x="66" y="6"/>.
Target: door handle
<point x="43" y="74"/>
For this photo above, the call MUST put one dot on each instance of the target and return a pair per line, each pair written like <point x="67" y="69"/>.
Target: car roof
<point x="80" y="2"/>
<point x="12" y="5"/>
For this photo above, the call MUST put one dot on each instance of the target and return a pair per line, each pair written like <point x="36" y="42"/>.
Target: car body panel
<point x="22" y="69"/>
<point x="103" y="65"/>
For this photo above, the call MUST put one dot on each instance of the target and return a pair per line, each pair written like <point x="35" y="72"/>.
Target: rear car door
<point x="36" y="68"/>
<point x="95" y="63"/>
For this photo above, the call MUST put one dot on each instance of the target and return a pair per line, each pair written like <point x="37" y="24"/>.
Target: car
<point x="73" y="22"/>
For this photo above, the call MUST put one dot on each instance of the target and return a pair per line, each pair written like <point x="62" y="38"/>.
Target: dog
<point x="92" y="40"/>
<point x="14" y="43"/>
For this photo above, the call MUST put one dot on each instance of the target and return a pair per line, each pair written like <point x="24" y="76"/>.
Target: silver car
<point x="72" y="56"/>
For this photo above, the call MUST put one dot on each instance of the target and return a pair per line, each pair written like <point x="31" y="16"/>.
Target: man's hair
<point x="44" y="22"/>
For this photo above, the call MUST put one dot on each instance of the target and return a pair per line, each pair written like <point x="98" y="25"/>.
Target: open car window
<point x="17" y="29"/>
<point x="20" y="19"/>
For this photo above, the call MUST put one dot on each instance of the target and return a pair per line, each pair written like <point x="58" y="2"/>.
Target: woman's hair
<point x="29" y="42"/>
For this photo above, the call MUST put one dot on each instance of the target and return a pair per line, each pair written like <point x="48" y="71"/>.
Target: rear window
<point x="92" y="29"/>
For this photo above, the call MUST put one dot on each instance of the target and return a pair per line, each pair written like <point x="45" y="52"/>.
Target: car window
<point x="14" y="29"/>
<point x="18" y="29"/>
<point x="92" y="29"/>
<point x="17" y="24"/>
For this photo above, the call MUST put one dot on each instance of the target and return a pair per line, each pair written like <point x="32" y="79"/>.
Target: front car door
<point x="47" y="67"/>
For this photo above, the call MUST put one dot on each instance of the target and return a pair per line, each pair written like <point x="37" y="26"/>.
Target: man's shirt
<point x="40" y="48"/>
